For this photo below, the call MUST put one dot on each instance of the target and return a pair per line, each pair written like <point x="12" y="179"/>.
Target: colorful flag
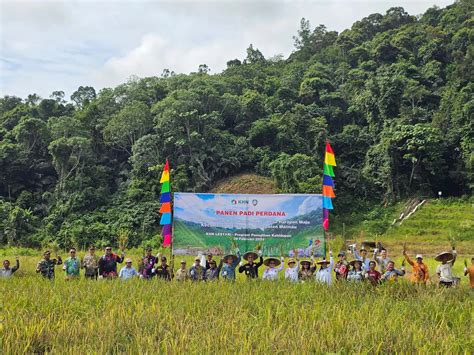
<point x="328" y="184"/>
<point x="165" y="210"/>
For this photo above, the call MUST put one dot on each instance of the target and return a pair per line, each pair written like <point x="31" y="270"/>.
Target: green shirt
<point x="72" y="266"/>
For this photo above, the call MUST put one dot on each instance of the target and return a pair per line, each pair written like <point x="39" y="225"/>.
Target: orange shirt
<point x="470" y="272"/>
<point x="420" y="271"/>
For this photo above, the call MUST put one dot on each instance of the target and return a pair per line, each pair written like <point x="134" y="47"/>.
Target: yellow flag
<point x="329" y="159"/>
<point x="165" y="177"/>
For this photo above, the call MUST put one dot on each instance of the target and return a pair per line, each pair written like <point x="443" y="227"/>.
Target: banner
<point x="276" y="224"/>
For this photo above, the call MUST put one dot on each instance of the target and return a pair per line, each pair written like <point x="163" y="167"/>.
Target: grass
<point x="428" y="230"/>
<point x="142" y="317"/>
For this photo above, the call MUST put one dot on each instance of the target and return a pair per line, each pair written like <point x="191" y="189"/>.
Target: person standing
<point x="90" y="264"/>
<point x="306" y="272"/>
<point x="357" y="272"/>
<point x="445" y="269"/>
<point x="341" y="268"/>
<point x="324" y="274"/>
<point x="72" y="265"/>
<point x="108" y="263"/>
<point x="6" y="271"/>
<point x="291" y="273"/>
<point x="197" y="272"/>
<point x="470" y="271"/>
<point x="362" y="256"/>
<point x="182" y="272"/>
<point x="373" y="275"/>
<point x="383" y="260"/>
<point x="251" y="268"/>
<point x="228" y="268"/>
<point x="273" y="268"/>
<point x="420" y="273"/>
<point x="128" y="271"/>
<point x="391" y="274"/>
<point x="46" y="265"/>
<point x="213" y="272"/>
<point x="162" y="271"/>
<point x="148" y="263"/>
<point x="209" y="260"/>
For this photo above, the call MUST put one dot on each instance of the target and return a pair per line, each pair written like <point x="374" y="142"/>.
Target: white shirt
<point x="445" y="272"/>
<point x="272" y="273"/>
<point x="325" y="275"/>
<point x="291" y="273"/>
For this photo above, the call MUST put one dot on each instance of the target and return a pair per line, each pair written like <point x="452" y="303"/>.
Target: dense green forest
<point x="394" y="95"/>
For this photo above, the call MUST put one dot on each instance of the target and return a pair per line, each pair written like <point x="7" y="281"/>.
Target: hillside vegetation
<point x="394" y="94"/>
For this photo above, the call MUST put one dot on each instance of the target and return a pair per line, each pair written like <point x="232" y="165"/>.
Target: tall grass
<point x="260" y="317"/>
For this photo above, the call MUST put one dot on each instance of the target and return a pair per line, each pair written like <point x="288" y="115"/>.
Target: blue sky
<point x="59" y="45"/>
<point x="201" y="208"/>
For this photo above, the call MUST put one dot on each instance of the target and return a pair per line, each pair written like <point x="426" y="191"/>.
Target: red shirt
<point x="374" y="276"/>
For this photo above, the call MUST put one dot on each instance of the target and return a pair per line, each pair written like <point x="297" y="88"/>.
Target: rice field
<point x="40" y="316"/>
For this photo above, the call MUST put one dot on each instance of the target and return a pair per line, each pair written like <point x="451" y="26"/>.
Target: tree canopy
<point x="394" y="95"/>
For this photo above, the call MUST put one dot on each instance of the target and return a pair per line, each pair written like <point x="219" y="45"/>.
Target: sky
<point x="201" y="208"/>
<point x="60" y="45"/>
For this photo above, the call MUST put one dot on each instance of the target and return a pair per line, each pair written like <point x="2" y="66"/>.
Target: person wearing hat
<point x="445" y="269"/>
<point x="108" y="263"/>
<point x="341" y="268"/>
<point x="7" y="271"/>
<point x="324" y="274"/>
<point x="148" y="264"/>
<point x="90" y="264"/>
<point x="356" y="273"/>
<point x="46" y="265"/>
<point x="213" y="272"/>
<point x="419" y="272"/>
<point x="72" y="265"/>
<point x="271" y="272"/>
<point x="230" y="263"/>
<point x="361" y="255"/>
<point x="391" y="274"/>
<point x="162" y="271"/>
<point x="128" y="271"/>
<point x="251" y="268"/>
<point x="291" y="272"/>
<point x="306" y="272"/>
<point x="197" y="272"/>
<point x="209" y="260"/>
<point x="182" y="272"/>
<point x="373" y="275"/>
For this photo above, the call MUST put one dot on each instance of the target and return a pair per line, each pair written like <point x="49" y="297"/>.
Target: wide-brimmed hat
<point x="445" y="255"/>
<point x="183" y="261"/>
<point x="341" y="253"/>
<point x="128" y="260"/>
<point x="323" y="262"/>
<point x="419" y="256"/>
<point x="230" y="256"/>
<point x="352" y="262"/>
<point x="247" y="254"/>
<point x="197" y="258"/>
<point x="212" y="262"/>
<point x="306" y="262"/>
<point x="267" y="261"/>
<point x="291" y="260"/>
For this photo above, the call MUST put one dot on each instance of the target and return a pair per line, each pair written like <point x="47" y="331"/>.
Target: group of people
<point x="379" y="268"/>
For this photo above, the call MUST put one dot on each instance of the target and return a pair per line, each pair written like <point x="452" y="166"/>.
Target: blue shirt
<point x="228" y="271"/>
<point x="128" y="273"/>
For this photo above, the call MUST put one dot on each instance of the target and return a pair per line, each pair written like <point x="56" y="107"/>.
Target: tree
<point x="83" y="96"/>
<point x="129" y="125"/>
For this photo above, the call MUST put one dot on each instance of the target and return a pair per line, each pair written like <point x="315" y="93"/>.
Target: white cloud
<point x="60" y="45"/>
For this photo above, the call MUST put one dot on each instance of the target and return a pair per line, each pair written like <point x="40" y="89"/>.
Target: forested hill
<point x="393" y="94"/>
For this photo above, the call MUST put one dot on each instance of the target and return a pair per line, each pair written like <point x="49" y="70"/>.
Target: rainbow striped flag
<point x="328" y="184"/>
<point x="165" y="210"/>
